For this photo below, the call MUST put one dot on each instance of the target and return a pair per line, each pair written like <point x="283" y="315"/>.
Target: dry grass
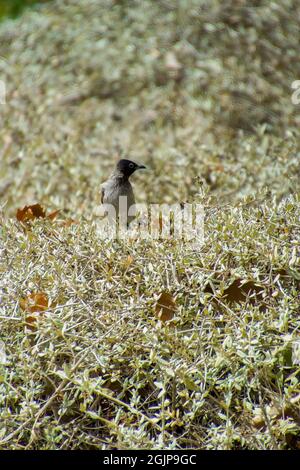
<point x="86" y="83"/>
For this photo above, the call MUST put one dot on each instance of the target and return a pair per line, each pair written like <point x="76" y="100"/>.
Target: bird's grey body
<point x="112" y="190"/>
<point x="117" y="191"/>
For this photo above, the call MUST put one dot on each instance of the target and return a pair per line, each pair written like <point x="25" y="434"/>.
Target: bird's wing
<point x="102" y="193"/>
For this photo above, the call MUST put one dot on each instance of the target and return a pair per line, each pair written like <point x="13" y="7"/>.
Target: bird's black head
<point x="127" y="167"/>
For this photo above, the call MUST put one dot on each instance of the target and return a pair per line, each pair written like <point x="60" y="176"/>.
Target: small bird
<point x="119" y="185"/>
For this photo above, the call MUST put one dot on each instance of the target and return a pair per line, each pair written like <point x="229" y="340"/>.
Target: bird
<point x="118" y="185"/>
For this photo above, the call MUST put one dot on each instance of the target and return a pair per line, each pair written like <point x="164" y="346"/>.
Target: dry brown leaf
<point x="29" y="213"/>
<point x="165" y="307"/>
<point x="53" y="214"/>
<point x="34" y="305"/>
<point x="35" y="211"/>
<point x="239" y="291"/>
<point x="36" y="302"/>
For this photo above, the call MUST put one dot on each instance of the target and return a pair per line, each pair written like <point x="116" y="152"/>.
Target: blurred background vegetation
<point x="14" y="7"/>
<point x="158" y="81"/>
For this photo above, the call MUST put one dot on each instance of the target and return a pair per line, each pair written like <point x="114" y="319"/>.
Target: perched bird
<point x="118" y="185"/>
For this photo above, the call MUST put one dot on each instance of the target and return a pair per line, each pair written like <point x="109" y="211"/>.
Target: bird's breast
<point x="113" y="190"/>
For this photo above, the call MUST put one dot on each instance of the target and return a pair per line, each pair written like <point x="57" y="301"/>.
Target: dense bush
<point x="201" y="93"/>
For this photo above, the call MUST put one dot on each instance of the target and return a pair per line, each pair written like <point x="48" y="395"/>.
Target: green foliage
<point x="13" y="8"/>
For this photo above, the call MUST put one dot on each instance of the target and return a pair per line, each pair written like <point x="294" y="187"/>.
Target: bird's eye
<point x="131" y="165"/>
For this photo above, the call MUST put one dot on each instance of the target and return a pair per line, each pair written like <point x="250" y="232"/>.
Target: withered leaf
<point x="238" y="291"/>
<point x="34" y="305"/>
<point x="35" y="302"/>
<point x="53" y="214"/>
<point x="165" y="307"/>
<point x="35" y="211"/>
<point x="29" y="213"/>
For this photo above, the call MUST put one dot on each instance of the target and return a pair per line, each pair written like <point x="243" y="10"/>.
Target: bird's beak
<point x="141" y="167"/>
